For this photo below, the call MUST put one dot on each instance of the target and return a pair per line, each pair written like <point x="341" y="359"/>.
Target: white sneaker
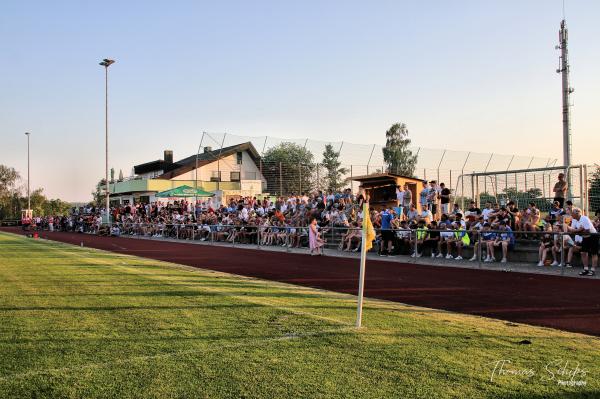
<point x="540" y="264"/>
<point x="493" y="259"/>
<point x="488" y="259"/>
<point x="473" y="259"/>
<point x="555" y="263"/>
<point x="503" y="260"/>
<point x="449" y="256"/>
<point x="432" y="255"/>
<point x="458" y="258"/>
<point x="439" y="255"/>
<point x="414" y="255"/>
<point x="419" y="255"/>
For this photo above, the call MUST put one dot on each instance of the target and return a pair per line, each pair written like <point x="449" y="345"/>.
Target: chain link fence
<point x="470" y="175"/>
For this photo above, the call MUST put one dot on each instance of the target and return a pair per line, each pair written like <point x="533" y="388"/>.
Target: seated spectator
<point x="456" y="209"/>
<point x="115" y="231"/>
<point x="459" y="239"/>
<point x="505" y="239"/>
<point x="433" y="238"/>
<point x="426" y="216"/>
<point x="412" y="214"/>
<point x="419" y="239"/>
<point x="546" y="243"/>
<point x="554" y="213"/>
<point x="473" y="213"/>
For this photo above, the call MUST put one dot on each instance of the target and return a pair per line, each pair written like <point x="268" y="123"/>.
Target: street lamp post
<point x="28" y="179"/>
<point x="106" y="63"/>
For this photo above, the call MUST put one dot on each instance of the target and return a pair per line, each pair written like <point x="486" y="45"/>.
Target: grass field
<point x="81" y="323"/>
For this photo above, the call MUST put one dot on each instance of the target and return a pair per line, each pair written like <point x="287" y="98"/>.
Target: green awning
<point x="184" y="192"/>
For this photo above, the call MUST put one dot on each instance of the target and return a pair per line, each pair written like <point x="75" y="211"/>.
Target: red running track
<point x="565" y="303"/>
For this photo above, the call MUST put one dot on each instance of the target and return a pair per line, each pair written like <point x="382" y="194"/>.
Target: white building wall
<point x="248" y="169"/>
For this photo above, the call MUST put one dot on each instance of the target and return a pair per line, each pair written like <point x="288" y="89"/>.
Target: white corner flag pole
<point x="363" y="259"/>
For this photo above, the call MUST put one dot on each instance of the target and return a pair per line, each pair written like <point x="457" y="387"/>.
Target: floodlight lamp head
<point x="107" y="62"/>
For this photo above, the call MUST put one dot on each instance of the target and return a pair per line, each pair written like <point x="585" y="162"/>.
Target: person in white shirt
<point x="425" y="214"/>
<point x="399" y="196"/>
<point x="589" y="244"/>
<point x="487" y="211"/>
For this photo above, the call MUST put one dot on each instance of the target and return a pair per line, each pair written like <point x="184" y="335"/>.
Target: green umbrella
<point x="184" y="192"/>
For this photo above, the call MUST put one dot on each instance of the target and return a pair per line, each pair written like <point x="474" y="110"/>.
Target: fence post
<point x="280" y="180"/>
<point x="416" y="243"/>
<point x="439" y="165"/>
<point x="562" y="253"/>
<point x="587" y="190"/>
<point x="369" y="161"/>
<point x="479" y="249"/>
<point x="581" y="199"/>
<point x="300" y="176"/>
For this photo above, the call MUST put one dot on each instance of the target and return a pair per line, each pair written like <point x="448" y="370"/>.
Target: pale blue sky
<point x="472" y="75"/>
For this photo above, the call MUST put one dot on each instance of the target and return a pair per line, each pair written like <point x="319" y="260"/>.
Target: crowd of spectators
<point x="430" y="223"/>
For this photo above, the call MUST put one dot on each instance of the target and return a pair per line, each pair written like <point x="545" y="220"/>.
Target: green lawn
<point x="81" y="323"/>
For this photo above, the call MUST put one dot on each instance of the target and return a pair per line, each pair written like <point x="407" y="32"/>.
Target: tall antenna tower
<point x="563" y="69"/>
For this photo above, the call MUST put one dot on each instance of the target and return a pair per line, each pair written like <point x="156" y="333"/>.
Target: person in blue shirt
<point x="424" y="194"/>
<point x="504" y="239"/>
<point x="485" y="238"/>
<point x="387" y="235"/>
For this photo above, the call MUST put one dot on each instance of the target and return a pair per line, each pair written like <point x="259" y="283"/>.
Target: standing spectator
<point x="432" y="197"/>
<point x="387" y="235"/>
<point x="315" y="241"/>
<point x="424" y="194"/>
<point x="445" y="198"/>
<point x="408" y="200"/>
<point x="560" y="189"/>
<point x="589" y="243"/>
<point x="399" y="200"/>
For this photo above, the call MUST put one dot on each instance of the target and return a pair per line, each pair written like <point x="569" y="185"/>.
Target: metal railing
<point x="405" y="242"/>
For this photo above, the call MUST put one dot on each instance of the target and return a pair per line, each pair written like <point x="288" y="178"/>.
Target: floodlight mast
<point x="106" y="63"/>
<point x="563" y="69"/>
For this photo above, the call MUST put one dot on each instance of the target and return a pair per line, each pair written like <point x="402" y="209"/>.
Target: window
<point x="239" y="158"/>
<point x="215" y="176"/>
<point x="234" y="176"/>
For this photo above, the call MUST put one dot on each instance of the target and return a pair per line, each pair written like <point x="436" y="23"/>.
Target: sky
<point x="464" y="75"/>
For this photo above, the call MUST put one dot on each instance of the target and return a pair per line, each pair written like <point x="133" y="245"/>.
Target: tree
<point x="594" y="190"/>
<point x="288" y="168"/>
<point x="56" y="207"/>
<point x="334" y="179"/>
<point x="396" y="154"/>
<point x="13" y="199"/>
<point x="99" y="194"/>
<point x="9" y="192"/>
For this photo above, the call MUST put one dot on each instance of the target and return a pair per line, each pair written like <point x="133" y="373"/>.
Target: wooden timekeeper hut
<point x="380" y="188"/>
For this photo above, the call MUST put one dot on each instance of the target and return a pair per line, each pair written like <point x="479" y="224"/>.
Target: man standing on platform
<point x="560" y="189"/>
